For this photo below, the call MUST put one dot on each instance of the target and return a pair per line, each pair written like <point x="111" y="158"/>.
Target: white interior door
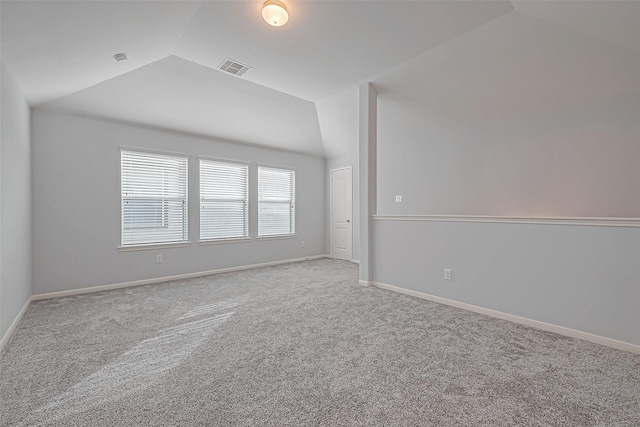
<point x="341" y="213"/>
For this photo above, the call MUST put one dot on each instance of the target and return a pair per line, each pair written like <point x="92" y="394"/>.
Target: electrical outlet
<point x="398" y="199"/>
<point x="302" y="243"/>
<point x="159" y="259"/>
<point x="447" y="274"/>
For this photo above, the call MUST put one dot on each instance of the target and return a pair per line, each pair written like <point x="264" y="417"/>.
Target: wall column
<point x="368" y="177"/>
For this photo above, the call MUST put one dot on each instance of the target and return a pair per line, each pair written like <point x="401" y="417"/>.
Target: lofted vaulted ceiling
<point x="467" y="60"/>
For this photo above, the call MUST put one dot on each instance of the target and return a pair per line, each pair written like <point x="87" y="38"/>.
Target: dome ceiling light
<point x="275" y="13"/>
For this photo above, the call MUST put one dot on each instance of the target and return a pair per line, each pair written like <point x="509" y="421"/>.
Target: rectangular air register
<point x="233" y="67"/>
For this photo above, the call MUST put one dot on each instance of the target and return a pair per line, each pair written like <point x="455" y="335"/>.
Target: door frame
<point x="350" y="168"/>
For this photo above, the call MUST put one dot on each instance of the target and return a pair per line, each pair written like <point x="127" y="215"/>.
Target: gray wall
<point x="15" y="199"/>
<point x="584" y="278"/>
<point x="580" y="161"/>
<point x="76" y="222"/>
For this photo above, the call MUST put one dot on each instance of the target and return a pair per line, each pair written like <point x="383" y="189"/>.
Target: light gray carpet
<point x="300" y="344"/>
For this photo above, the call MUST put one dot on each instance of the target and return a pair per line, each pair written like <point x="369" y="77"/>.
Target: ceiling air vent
<point x="233" y="67"/>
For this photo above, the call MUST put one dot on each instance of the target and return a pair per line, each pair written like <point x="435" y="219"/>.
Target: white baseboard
<point x="9" y="334"/>
<point x="364" y="283"/>
<point x="355" y="261"/>
<point x="100" y="288"/>
<point x="620" y="345"/>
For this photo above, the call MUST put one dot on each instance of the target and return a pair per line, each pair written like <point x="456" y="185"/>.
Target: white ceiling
<point x="467" y="61"/>
<point x="55" y="48"/>
<point x="484" y="76"/>
<point x="326" y="46"/>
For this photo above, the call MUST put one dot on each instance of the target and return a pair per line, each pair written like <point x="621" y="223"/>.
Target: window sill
<point x="280" y="236"/>
<point x="150" y="246"/>
<point x="223" y="241"/>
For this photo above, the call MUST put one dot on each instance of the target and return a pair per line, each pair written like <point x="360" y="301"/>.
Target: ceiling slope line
<point x="44" y="104"/>
<point x="399" y="65"/>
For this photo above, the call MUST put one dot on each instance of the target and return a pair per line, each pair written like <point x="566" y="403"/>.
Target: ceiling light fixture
<point x="275" y="13"/>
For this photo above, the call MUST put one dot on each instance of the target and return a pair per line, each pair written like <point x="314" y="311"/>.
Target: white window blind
<point x="276" y="201"/>
<point x="223" y="200"/>
<point x="154" y="198"/>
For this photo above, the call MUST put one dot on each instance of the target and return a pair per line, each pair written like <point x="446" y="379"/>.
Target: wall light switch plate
<point x="398" y="199"/>
<point x="447" y="274"/>
<point x="159" y="259"/>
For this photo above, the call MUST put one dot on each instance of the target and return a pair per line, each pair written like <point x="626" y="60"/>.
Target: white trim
<point x="341" y="169"/>
<point x="364" y="283"/>
<point x="146" y="246"/>
<point x="585" y="221"/>
<point x="247" y="201"/>
<point x="277" y="236"/>
<point x="155" y="151"/>
<point x="101" y="288"/>
<point x="355" y="261"/>
<point x="224" y="240"/>
<point x="620" y="345"/>
<point x="223" y="160"/>
<point x="6" y="339"/>
<point x="293" y="198"/>
<point x="150" y="246"/>
<point x="268" y="166"/>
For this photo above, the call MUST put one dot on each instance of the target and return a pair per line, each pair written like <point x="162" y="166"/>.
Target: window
<point x="223" y="200"/>
<point x="276" y="201"/>
<point x="154" y="198"/>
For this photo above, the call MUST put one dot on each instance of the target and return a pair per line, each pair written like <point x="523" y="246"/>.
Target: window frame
<point x="165" y="202"/>
<point x="291" y="201"/>
<point x="214" y="240"/>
